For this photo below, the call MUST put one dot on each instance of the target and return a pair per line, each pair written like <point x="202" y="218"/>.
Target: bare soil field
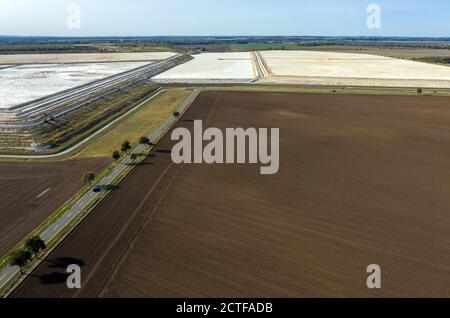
<point x="31" y="192"/>
<point x="364" y="179"/>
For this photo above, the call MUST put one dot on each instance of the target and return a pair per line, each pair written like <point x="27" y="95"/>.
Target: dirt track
<point x="363" y="180"/>
<point x="29" y="193"/>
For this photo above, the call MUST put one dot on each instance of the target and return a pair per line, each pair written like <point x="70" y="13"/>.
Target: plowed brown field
<point x="363" y="180"/>
<point x="29" y="193"/>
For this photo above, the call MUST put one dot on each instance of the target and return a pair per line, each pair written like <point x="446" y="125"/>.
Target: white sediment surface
<point x="311" y="64"/>
<point x="26" y="83"/>
<point x="212" y="67"/>
<point x="83" y="57"/>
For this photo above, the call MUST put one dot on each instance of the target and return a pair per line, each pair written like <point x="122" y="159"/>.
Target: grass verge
<point x="335" y="89"/>
<point x="139" y="124"/>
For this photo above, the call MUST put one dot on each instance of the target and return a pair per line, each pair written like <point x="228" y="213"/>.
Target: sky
<point x="422" y="18"/>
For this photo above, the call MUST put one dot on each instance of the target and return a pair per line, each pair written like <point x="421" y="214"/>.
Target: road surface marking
<point x="43" y="193"/>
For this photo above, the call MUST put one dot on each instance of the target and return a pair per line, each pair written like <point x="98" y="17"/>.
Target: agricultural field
<point x="139" y="124"/>
<point x="406" y="52"/>
<point x="321" y="89"/>
<point x="398" y="53"/>
<point x="26" y="83"/>
<point x="212" y="67"/>
<point x="31" y="192"/>
<point x="83" y="58"/>
<point x="329" y="68"/>
<point x="363" y="179"/>
<point x="263" y="47"/>
<point x="218" y="48"/>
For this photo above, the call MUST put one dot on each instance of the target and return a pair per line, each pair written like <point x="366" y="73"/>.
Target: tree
<point x="126" y="146"/>
<point x="89" y="178"/>
<point x="21" y="258"/>
<point x="144" y="141"/>
<point x="176" y="114"/>
<point x="35" y="245"/>
<point x="419" y="91"/>
<point x="116" y="155"/>
<point x="134" y="157"/>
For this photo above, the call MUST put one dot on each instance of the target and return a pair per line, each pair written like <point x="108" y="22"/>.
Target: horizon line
<point x="224" y="36"/>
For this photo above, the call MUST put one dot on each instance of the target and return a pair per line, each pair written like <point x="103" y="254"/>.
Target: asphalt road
<point x="7" y="274"/>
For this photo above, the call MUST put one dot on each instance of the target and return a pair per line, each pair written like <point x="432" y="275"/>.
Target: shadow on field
<point x="137" y="164"/>
<point x="64" y="262"/>
<point x="144" y="164"/>
<point x="163" y="151"/>
<point x="53" y="278"/>
<point x="59" y="277"/>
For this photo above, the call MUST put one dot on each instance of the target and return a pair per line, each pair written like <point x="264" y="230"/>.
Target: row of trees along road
<point x="35" y="245"/>
<point x="32" y="248"/>
<point x="126" y="146"/>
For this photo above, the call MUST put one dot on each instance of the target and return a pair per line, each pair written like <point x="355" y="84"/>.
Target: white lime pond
<point x="212" y="67"/>
<point x="22" y="84"/>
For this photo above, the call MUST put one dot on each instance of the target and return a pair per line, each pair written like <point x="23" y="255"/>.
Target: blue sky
<point x="225" y="17"/>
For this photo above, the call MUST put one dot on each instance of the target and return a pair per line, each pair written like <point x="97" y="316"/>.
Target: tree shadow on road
<point x="111" y="187"/>
<point x="108" y="187"/>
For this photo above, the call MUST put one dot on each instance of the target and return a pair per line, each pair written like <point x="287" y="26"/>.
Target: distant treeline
<point x="435" y="59"/>
<point x="198" y="40"/>
<point x="136" y="44"/>
<point x="45" y="48"/>
<point x="366" y="44"/>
